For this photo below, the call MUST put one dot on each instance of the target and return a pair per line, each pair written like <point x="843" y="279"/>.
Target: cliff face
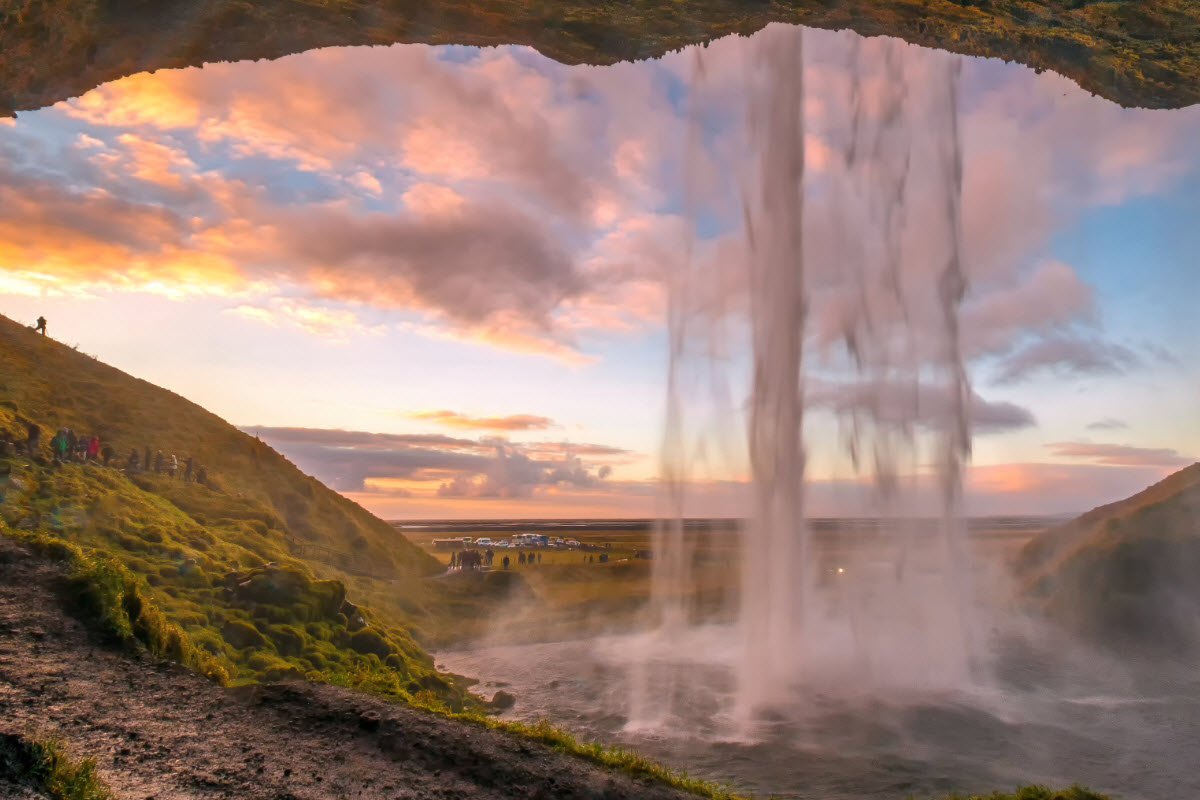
<point x="1127" y="573"/>
<point x="1137" y="54"/>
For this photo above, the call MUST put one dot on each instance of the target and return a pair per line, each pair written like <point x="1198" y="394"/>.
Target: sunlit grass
<point x="62" y="777"/>
<point x="1036" y="792"/>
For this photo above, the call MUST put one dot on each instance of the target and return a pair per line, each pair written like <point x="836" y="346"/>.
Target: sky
<point x="459" y="283"/>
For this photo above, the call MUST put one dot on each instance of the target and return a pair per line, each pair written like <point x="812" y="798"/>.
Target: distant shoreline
<point x="700" y="524"/>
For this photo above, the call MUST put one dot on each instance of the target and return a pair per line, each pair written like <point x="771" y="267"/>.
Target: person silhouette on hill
<point x="106" y="453"/>
<point x="93" y="448"/>
<point x="158" y="462"/>
<point x="187" y="470"/>
<point x="41" y="326"/>
<point x="132" y="464"/>
<point x="201" y="475"/>
<point x="33" y="438"/>
<point x="505" y="562"/>
<point x="172" y="466"/>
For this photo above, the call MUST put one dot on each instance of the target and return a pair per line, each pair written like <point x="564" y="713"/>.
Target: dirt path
<point x="157" y="731"/>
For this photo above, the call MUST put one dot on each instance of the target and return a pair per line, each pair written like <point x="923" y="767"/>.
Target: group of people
<point x="66" y="446"/>
<point x="470" y="559"/>
<point x="476" y="559"/>
<point x="166" y="464"/>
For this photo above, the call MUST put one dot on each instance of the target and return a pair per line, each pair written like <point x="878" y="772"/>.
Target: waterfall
<point x="853" y="275"/>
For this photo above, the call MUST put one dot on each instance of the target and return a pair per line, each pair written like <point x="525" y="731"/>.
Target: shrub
<point x="62" y="778"/>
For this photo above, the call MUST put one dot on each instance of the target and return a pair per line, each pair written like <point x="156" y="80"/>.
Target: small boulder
<point x="502" y="700"/>
<point x="354" y="618"/>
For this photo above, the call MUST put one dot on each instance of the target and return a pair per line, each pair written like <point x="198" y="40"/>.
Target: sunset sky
<point x="436" y="278"/>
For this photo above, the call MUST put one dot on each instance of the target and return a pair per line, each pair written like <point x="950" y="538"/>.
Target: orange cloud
<point x="512" y="422"/>
<point x="161" y="99"/>
<point x="431" y="198"/>
<point x="154" y="162"/>
<point x="511" y="334"/>
<point x="334" y="324"/>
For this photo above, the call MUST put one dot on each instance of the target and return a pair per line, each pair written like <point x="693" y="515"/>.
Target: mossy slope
<point x="1125" y="573"/>
<point x="220" y="560"/>
<point x="255" y="487"/>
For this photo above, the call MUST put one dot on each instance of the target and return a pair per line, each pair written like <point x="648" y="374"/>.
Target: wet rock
<point x="502" y="700"/>
<point x="354" y="617"/>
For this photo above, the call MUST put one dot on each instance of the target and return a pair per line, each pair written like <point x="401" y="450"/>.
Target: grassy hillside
<point x="1136" y="52"/>
<point x="1126" y="572"/>
<point x="55" y="386"/>
<point x="259" y="567"/>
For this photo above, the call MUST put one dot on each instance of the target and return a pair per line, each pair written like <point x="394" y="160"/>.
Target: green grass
<point x="613" y="757"/>
<point x="1036" y="793"/>
<point x="562" y="741"/>
<point x="62" y="777"/>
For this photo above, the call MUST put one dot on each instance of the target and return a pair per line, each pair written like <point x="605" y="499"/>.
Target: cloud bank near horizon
<point x="414" y="476"/>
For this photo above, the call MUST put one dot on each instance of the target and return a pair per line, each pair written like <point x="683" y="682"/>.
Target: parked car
<point x="483" y="541"/>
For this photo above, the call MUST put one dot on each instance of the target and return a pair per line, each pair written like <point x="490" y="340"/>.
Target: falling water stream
<point x="888" y="340"/>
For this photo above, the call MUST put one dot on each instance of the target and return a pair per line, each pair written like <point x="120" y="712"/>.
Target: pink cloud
<point x="1120" y="455"/>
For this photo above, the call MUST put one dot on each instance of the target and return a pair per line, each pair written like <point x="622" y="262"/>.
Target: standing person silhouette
<point x="41" y="326"/>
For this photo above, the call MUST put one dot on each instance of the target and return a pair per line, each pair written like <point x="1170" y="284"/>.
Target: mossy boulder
<point x="271" y="585"/>
<point x="287" y="640"/>
<point x="370" y="642"/>
<point x="242" y="634"/>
